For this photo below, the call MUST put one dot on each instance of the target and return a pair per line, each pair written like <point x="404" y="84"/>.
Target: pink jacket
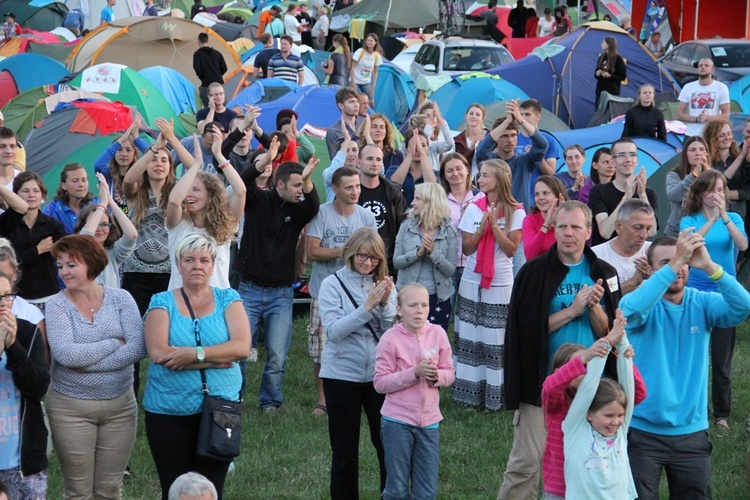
<point x="410" y="399"/>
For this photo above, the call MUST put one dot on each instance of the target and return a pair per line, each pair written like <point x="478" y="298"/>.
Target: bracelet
<point x="717" y="274"/>
<point x="726" y="221"/>
<point x="152" y="149"/>
<point x="224" y="165"/>
<point x="545" y="227"/>
<point x="102" y="207"/>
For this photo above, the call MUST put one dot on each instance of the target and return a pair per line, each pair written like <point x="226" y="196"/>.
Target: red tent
<point x="693" y="19"/>
<point x="8" y="88"/>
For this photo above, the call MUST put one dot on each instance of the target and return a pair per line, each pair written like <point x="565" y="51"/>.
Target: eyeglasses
<point x="8" y="297"/>
<point x="105" y="224"/>
<point x="626" y="155"/>
<point x="363" y="257"/>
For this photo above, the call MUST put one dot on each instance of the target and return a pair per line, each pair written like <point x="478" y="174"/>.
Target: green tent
<point x="24" y="110"/>
<point x="136" y="90"/>
<point x="186" y="5"/>
<point x="39" y="18"/>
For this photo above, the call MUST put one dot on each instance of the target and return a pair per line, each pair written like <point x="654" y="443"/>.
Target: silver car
<point x="457" y="56"/>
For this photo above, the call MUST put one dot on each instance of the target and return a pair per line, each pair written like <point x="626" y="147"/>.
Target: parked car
<point x="731" y="58"/>
<point x="457" y="56"/>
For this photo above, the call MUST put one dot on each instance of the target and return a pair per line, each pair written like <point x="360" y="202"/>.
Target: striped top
<point x="286" y="69"/>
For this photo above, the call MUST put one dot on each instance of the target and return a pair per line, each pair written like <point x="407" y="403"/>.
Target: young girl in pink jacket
<point x="413" y="359"/>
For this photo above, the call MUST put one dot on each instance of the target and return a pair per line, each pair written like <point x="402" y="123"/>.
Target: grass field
<point x="287" y="455"/>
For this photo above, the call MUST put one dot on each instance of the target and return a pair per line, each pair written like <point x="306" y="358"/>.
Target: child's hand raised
<point x="618" y="328"/>
<point x="599" y="349"/>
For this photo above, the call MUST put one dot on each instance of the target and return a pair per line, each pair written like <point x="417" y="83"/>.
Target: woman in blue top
<point x="173" y="396"/>
<point x="71" y="197"/>
<point x="705" y="209"/>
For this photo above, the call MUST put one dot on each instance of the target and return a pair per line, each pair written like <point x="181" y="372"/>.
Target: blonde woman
<point x="491" y="234"/>
<point x="426" y="247"/>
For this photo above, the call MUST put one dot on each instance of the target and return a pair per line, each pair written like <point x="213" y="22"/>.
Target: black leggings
<point x="143" y="286"/>
<point x="345" y="402"/>
<point x="173" y="441"/>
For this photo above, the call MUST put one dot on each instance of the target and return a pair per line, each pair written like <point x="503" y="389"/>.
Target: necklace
<point x="89" y="307"/>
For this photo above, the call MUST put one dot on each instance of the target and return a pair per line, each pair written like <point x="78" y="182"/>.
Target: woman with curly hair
<point x="726" y="156"/>
<point x="199" y="204"/>
<point x="378" y="130"/>
<point x="71" y="197"/>
<point x="119" y="156"/>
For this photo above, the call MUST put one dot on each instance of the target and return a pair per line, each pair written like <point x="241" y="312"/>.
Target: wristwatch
<point x="201" y="354"/>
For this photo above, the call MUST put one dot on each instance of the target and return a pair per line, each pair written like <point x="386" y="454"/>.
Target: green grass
<point x="288" y="455"/>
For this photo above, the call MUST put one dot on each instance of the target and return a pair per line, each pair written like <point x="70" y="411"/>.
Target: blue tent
<point x="395" y="93"/>
<point x="315" y="104"/>
<point x="455" y="97"/>
<point x="739" y="91"/>
<point x="264" y="90"/>
<point x="564" y="83"/>
<point x="33" y="70"/>
<point x="251" y="52"/>
<point x="176" y="89"/>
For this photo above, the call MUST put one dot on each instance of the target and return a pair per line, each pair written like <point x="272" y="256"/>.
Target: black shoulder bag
<point x="220" y="433"/>
<point x="354" y="303"/>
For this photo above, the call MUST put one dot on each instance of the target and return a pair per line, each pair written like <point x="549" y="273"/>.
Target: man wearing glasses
<point x="605" y="200"/>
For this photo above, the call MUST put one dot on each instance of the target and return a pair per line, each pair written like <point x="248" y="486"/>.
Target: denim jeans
<point x="272" y="308"/>
<point x="410" y="453"/>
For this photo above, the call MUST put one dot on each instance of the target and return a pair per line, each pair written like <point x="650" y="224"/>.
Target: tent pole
<point x="695" y="27"/>
<point x="387" y="17"/>
<point x="579" y="12"/>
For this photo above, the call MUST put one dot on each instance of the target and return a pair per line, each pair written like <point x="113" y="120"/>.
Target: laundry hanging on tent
<point x="107" y="117"/>
<point x="357" y="29"/>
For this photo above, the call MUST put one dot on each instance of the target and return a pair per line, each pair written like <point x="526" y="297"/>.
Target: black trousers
<point x="173" y="441"/>
<point x="143" y="286"/>
<point x="345" y="401"/>
<point x="722" y="350"/>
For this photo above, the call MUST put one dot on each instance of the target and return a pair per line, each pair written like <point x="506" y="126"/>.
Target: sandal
<point x="722" y="424"/>
<point x="320" y="410"/>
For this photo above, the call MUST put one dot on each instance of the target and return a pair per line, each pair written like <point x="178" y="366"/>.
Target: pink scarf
<point x="486" y="248"/>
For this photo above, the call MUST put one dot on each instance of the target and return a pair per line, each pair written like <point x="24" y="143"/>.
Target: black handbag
<point x="220" y="432"/>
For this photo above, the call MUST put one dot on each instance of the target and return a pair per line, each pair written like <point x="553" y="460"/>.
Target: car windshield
<point x="731" y="56"/>
<point x="472" y="58"/>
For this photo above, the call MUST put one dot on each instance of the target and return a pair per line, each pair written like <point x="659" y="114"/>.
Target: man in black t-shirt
<point x="260" y="66"/>
<point x="605" y="200"/>
<point x="216" y="111"/>
<point x="381" y="197"/>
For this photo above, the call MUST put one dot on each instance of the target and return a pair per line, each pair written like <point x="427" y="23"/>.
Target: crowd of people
<point x="539" y="271"/>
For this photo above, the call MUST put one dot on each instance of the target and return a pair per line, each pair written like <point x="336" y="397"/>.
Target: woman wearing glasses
<point x="113" y="230"/>
<point x="357" y="304"/>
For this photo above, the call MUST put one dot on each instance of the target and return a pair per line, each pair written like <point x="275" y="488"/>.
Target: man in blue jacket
<point x="669" y="325"/>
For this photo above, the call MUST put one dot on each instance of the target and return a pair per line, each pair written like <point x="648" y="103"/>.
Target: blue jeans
<point x="410" y="453"/>
<point x="272" y="308"/>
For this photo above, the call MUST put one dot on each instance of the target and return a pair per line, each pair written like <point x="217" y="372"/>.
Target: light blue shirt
<point x="178" y="392"/>
<point x="10" y="424"/>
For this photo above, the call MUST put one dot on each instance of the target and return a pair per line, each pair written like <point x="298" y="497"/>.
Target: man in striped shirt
<point x="286" y="65"/>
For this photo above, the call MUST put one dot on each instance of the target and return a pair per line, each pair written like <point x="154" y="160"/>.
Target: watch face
<point x="201" y="355"/>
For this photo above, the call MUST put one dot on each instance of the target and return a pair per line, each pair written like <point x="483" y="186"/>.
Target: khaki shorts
<point x="316" y="337"/>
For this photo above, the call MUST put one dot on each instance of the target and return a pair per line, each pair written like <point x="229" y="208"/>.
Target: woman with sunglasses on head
<point x="357" y="304"/>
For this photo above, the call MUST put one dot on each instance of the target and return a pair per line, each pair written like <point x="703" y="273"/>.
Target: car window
<point x="420" y="55"/>
<point x="432" y="55"/>
<point x="473" y="58"/>
<point x="700" y="52"/>
<point x="681" y="55"/>
<point x="731" y="56"/>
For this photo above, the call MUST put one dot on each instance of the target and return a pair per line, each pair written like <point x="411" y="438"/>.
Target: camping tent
<point x="33" y="70"/>
<point x="66" y="126"/>
<point x="456" y="95"/>
<point x="393" y="15"/>
<point x="176" y="89"/>
<point x="265" y="90"/>
<point x="120" y="83"/>
<point x="30" y="107"/>
<point x="41" y="18"/>
<point x="315" y="105"/>
<point x="395" y="94"/>
<point x="140" y="42"/>
<point x="564" y="83"/>
<point x="739" y="91"/>
<point x="8" y="88"/>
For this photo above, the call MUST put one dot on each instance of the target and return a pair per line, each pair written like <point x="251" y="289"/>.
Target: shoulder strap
<point x="354" y="303"/>
<point x="361" y="55"/>
<point x="197" y="332"/>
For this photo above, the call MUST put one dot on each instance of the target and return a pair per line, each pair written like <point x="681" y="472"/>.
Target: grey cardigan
<point x="349" y="352"/>
<point x="443" y="257"/>
<point x="677" y="189"/>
